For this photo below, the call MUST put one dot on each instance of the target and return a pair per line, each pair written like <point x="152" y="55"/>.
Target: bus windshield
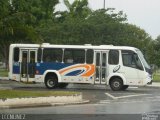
<point x="143" y="59"/>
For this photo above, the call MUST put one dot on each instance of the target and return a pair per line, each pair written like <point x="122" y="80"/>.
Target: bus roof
<point x="86" y="46"/>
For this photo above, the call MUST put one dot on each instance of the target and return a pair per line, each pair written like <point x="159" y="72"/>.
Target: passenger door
<point x="101" y="67"/>
<point x="27" y="65"/>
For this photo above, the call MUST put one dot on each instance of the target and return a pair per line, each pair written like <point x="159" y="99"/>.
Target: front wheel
<point x="116" y="84"/>
<point x="51" y="82"/>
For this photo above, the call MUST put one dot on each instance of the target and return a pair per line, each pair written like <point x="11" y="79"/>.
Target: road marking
<point x="127" y="96"/>
<point x="105" y="101"/>
<point x="157" y="97"/>
<point x="111" y="96"/>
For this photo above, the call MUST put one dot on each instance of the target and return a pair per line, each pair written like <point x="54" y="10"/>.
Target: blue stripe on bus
<point x="42" y="67"/>
<point x="75" y="73"/>
<point x="16" y="69"/>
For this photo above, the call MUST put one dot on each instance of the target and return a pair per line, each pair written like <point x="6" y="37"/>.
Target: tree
<point x="77" y="10"/>
<point x="156" y="53"/>
<point x="106" y="25"/>
<point x="65" y="26"/>
<point x="35" y="21"/>
<point x="18" y="21"/>
<point x="103" y="26"/>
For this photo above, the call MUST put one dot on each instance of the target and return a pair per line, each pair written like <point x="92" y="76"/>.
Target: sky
<point x="142" y="13"/>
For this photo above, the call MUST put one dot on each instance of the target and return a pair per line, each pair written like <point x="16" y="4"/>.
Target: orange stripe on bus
<point x="62" y="71"/>
<point x="90" y="72"/>
<point x="87" y="73"/>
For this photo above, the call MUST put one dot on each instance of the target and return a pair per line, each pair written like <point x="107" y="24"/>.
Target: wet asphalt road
<point x="132" y="104"/>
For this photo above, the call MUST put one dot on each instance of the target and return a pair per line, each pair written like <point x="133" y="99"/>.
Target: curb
<point x="43" y="105"/>
<point x="4" y="78"/>
<point x="154" y="85"/>
<point x="41" y="101"/>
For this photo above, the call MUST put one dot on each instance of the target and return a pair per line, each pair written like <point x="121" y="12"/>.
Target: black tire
<point x="116" y="84"/>
<point x="62" y="85"/>
<point x="51" y="82"/>
<point x="125" y="87"/>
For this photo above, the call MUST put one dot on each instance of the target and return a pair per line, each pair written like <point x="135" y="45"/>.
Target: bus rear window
<point x="16" y="54"/>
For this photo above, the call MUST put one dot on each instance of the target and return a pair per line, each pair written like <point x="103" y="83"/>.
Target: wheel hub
<point x="51" y="83"/>
<point x="116" y="84"/>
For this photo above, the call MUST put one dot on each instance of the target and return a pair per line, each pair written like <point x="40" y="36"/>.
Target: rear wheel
<point x="51" y="82"/>
<point x="125" y="87"/>
<point x="116" y="84"/>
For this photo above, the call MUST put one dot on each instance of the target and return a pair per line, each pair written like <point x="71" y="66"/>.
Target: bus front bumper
<point x="149" y="83"/>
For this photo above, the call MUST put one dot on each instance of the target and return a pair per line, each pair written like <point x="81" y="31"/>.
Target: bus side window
<point x="131" y="59"/>
<point x="89" y="56"/>
<point x="127" y="58"/>
<point x="46" y="55"/>
<point x="57" y="55"/>
<point x="74" y="56"/>
<point x="68" y="57"/>
<point x="113" y="58"/>
<point x="52" y="55"/>
<point x="16" y="54"/>
<point x="79" y="56"/>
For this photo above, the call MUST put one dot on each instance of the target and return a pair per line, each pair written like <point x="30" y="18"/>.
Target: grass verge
<point x="4" y="94"/>
<point x="156" y="78"/>
<point x="3" y="73"/>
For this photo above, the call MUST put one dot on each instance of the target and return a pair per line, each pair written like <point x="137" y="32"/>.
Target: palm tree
<point x="77" y="9"/>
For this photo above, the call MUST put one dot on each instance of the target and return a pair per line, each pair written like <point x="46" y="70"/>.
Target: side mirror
<point x="152" y="67"/>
